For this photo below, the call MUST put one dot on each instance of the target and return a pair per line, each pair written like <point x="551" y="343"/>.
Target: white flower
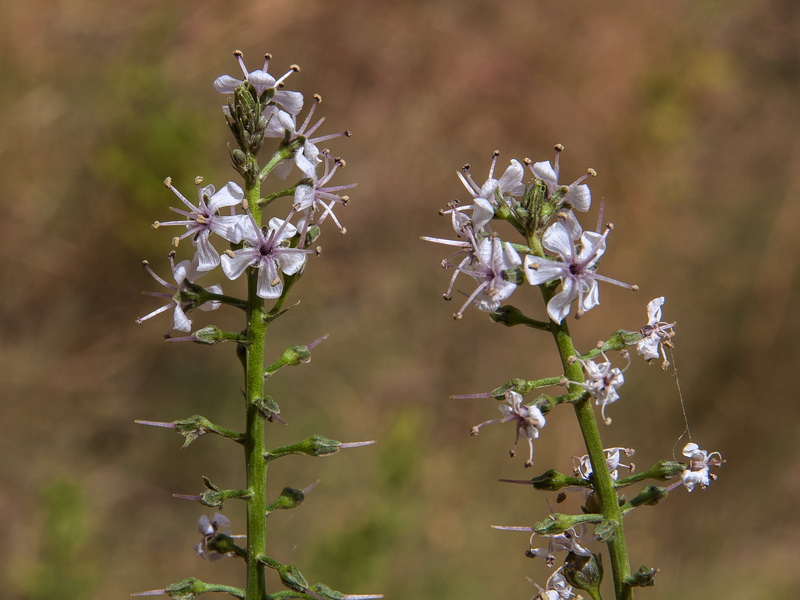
<point x="602" y="382"/>
<point x="316" y="202"/>
<point x="656" y="334"/>
<point x="291" y="102"/>
<point x="203" y="220"/>
<point x="567" y="542"/>
<point x="556" y="588"/>
<point x="307" y="157"/>
<point x="583" y="468"/>
<point x="269" y="253"/>
<point x="488" y="261"/>
<point x="210" y="528"/>
<point x="496" y="190"/>
<point x="182" y="298"/>
<point x="529" y="420"/>
<point x="576" y="269"/>
<point x="697" y="471"/>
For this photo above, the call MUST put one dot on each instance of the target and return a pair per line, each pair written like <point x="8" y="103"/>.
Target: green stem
<point x="254" y="444"/>
<point x="603" y="484"/>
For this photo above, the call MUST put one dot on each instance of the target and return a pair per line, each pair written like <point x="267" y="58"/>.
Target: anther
<point x="168" y="182"/>
<point x="345" y="200"/>
<point x="198" y="180"/>
<point x="457" y="316"/>
<point x="558" y="147"/>
<point x="317" y="98"/>
<point x="175" y="241"/>
<point x="145" y="263"/>
<point x="592" y="172"/>
<point x="318" y="250"/>
<point x="527" y="161"/>
<point x="238" y="53"/>
<point x="495" y="153"/>
<point x="229" y="253"/>
<point x="156" y="225"/>
<point x="267" y="56"/>
<point x="343" y="230"/>
<point x="635" y="288"/>
<point x="295" y="68"/>
<point x="465" y="168"/>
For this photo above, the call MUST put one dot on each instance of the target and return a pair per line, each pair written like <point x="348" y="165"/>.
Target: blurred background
<point x="688" y="110"/>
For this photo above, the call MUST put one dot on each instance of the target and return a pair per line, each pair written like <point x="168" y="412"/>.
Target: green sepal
<point x="215" y="497"/>
<point x="267" y="407"/>
<point x="524" y="386"/>
<point x="191" y="587"/>
<point x="197" y="425"/>
<point x="552" y="481"/>
<point x="584" y="573"/>
<point x="644" y="577"/>
<point x="211" y="334"/>
<point x="663" y="470"/>
<point x="510" y="316"/>
<point x="291" y="357"/>
<point x="316" y="445"/>
<point x="619" y="340"/>
<point x="290" y="576"/>
<point x="649" y="496"/>
<point x="289" y="498"/>
<point x="557" y="523"/>
<point x="224" y="544"/>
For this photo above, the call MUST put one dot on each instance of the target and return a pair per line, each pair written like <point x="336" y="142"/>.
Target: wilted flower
<point x="656" y="334"/>
<point x="576" y="269"/>
<point x="209" y="529"/>
<point x="566" y="542"/>
<point x="697" y="471"/>
<point x="602" y="381"/>
<point x="556" y="588"/>
<point x="583" y="467"/>
<point x="529" y="420"/>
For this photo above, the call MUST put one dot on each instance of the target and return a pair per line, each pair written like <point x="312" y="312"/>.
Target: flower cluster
<point x="558" y="251"/>
<point x="279" y="249"/>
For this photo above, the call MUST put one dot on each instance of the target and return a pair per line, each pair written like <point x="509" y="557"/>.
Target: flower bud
<point x="649" y="496"/>
<point x="289" y="498"/>
<point x="553" y="480"/>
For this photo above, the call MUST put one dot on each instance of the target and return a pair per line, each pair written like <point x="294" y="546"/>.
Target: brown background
<point x="687" y="109"/>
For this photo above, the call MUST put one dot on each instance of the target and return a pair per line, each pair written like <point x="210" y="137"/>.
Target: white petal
<point x="207" y="256"/>
<point x="180" y="321"/>
<point x="557" y="239"/>
<point x="543" y="170"/>
<point x="541" y="270"/>
<point x="580" y="197"/>
<point x="267" y="276"/>
<point x="226" y="84"/>
<point x="230" y="195"/>
<point x="291" y="262"/>
<point x="291" y="101"/>
<point x="654" y="310"/>
<point x="236" y="265"/>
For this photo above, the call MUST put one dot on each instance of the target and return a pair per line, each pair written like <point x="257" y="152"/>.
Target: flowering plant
<point x="226" y="229"/>
<point x="561" y="259"/>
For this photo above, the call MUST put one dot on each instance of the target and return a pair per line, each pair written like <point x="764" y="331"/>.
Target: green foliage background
<point x="688" y="110"/>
